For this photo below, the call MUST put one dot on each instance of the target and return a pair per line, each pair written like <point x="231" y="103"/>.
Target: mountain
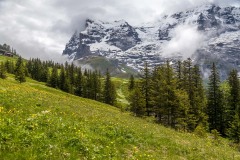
<point x="206" y="33"/>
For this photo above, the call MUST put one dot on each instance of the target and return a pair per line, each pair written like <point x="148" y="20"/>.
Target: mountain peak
<point x="134" y="45"/>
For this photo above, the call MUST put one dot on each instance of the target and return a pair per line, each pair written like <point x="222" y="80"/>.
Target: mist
<point x="186" y="40"/>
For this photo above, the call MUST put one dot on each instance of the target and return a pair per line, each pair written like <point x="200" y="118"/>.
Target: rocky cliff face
<point x="133" y="45"/>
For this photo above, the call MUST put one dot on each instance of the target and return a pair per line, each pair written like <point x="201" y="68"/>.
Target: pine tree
<point x="234" y="99"/>
<point x="79" y="83"/>
<point x="53" y="79"/>
<point x="9" y="66"/>
<point x="44" y="74"/>
<point x="84" y="86"/>
<point x="199" y="102"/>
<point x="109" y="90"/>
<point x="214" y="106"/>
<point x="233" y="119"/>
<point x="20" y="71"/>
<point x="146" y="83"/>
<point x="189" y="79"/>
<point x="99" y="87"/>
<point x="181" y="112"/>
<point x="62" y="80"/>
<point x="96" y="86"/>
<point x="71" y="75"/>
<point x="3" y="71"/>
<point x="137" y="101"/>
<point x="234" y="129"/>
<point x="179" y="72"/>
<point x="131" y="83"/>
<point x="170" y="104"/>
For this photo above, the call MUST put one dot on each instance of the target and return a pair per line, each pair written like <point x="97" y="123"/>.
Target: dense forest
<point x="173" y="94"/>
<point x="176" y="96"/>
<point x="67" y="77"/>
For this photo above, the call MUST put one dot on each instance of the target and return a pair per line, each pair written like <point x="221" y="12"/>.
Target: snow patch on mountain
<point x="205" y="33"/>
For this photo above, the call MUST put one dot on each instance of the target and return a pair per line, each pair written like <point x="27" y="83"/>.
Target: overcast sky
<point x="41" y="28"/>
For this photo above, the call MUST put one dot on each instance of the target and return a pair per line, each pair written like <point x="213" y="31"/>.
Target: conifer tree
<point x="214" y="106"/>
<point x="84" y="86"/>
<point x="9" y="66"/>
<point x="137" y="101"/>
<point x="99" y="87"/>
<point x="170" y="104"/>
<point x="79" y="83"/>
<point x="3" y="71"/>
<point x="189" y="79"/>
<point x="96" y="85"/>
<point x="44" y="74"/>
<point x="234" y="99"/>
<point x="233" y="111"/>
<point x="179" y="72"/>
<point x="109" y="90"/>
<point x="146" y="84"/>
<point x="53" y="79"/>
<point x="159" y="96"/>
<point x="182" y="106"/>
<point x="234" y="128"/>
<point x="20" y="71"/>
<point x="62" y="84"/>
<point x="131" y="83"/>
<point x="71" y="74"/>
<point x="199" y="102"/>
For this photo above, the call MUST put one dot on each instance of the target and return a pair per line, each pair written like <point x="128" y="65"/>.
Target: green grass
<point x="38" y="122"/>
<point x="122" y="92"/>
<point x="5" y="58"/>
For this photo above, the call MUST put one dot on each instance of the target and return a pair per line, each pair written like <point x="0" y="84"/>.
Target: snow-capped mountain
<point x="206" y="33"/>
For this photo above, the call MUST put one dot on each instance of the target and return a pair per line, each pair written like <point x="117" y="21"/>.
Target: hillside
<point x="38" y="122"/>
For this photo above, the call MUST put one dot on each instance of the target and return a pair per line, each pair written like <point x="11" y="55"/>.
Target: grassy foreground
<point x="38" y="122"/>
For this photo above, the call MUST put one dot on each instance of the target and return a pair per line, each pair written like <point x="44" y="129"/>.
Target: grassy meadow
<point x="38" y="122"/>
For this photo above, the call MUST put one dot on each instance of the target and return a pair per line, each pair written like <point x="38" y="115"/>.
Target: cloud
<point x="42" y="28"/>
<point x="186" y="40"/>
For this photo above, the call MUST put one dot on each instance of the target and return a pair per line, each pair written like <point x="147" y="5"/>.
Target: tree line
<point x="66" y="77"/>
<point x="176" y="96"/>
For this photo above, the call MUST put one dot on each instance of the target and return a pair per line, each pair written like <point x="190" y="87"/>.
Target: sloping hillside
<point x="38" y="122"/>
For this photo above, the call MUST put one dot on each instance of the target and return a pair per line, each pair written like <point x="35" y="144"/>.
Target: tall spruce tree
<point x="10" y="66"/>
<point x="79" y="83"/>
<point x="179" y="72"/>
<point x="170" y="104"/>
<point x="109" y="90"/>
<point x="137" y="101"/>
<point x="131" y="83"/>
<point x="3" y="71"/>
<point x="20" y="70"/>
<point x="146" y="84"/>
<point x="214" y="105"/>
<point x="189" y="79"/>
<point x="233" y="111"/>
<point x="63" y="82"/>
<point x="234" y="99"/>
<point x="199" y="102"/>
<point x="53" y="79"/>
<point x="234" y="128"/>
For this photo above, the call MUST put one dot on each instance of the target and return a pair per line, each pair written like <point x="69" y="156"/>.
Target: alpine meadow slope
<point x="38" y="122"/>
